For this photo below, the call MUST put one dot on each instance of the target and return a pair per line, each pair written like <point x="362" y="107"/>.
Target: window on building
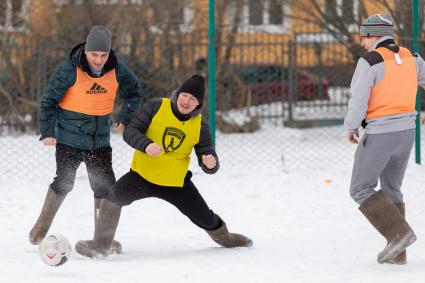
<point x="343" y="11"/>
<point x="172" y="12"/>
<point x="98" y="2"/>
<point x="13" y="15"/>
<point x="275" y="12"/>
<point x="2" y="16"/>
<point x="165" y="13"/>
<point x="256" y="11"/>
<point x="330" y="8"/>
<point x="346" y="9"/>
<point x="265" y="16"/>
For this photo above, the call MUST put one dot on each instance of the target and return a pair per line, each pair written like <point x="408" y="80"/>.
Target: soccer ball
<point x="54" y="250"/>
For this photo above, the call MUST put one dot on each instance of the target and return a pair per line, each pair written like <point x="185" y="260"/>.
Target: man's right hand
<point x="153" y="150"/>
<point x="353" y="137"/>
<point x="49" y="141"/>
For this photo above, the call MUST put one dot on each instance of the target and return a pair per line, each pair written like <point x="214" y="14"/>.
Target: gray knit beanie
<point x="98" y="39"/>
<point x="377" y="25"/>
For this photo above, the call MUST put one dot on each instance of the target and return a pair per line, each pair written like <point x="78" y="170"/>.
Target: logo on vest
<point x="96" y="88"/>
<point x="172" y="139"/>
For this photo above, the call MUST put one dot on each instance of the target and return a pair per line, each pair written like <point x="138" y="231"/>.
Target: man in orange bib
<point x="163" y="133"/>
<point x="75" y="116"/>
<point x="383" y="95"/>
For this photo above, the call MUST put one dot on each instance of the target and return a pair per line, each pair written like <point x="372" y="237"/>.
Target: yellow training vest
<point x="91" y="96"/>
<point x="396" y="92"/>
<point x="177" y="139"/>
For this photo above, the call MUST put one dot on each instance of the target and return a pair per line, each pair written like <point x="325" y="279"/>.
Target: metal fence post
<point x="415" y="46"/>
<point x="291" y="87"/>
<point x="319" y="71"/>
<point x="211" y="68"/>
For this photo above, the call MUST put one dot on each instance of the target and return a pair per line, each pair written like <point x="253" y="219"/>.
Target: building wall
<point x="250" y="46"/>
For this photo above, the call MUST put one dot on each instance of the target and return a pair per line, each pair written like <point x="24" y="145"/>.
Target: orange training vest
<point x="396" y="92"/>
<point x="91" y="96"/>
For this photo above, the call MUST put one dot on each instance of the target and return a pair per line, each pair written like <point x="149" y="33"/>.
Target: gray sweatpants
<point x="381" y="157"/>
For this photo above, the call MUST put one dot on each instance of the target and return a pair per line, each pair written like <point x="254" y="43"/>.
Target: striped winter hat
<point x="377" y="25"/>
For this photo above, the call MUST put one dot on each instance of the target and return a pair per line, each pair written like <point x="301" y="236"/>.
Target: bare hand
<point x="49" y="141"/>
<point x="423" y="120"/>
<point x="209" y="161"/>
<point x="153" y="150"/>
<point x="353" y="137"/>
<point x="119" y="127"/>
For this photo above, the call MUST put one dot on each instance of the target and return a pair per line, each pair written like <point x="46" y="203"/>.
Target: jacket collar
<point x="386" y="42"/>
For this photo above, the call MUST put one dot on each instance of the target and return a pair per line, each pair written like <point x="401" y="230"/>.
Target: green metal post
<point x="211" y="68"/>
<point x="415" y="45"/>
<point x="319" y="71"/>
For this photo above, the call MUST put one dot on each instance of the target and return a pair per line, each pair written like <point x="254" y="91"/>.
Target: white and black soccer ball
<point x="54" y="250"/>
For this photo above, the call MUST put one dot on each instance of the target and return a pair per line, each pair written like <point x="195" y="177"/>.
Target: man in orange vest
<point x="383" y="94"/>
<point x="75" y="116"/>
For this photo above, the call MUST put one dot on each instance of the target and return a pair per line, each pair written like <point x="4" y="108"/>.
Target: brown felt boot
<point x="229" y="240"/>
<point x="402" y="257"/>
<point x="386" y="218"/>
<point x="116" y="247"/>
<point x="106" y="225"/>
<point x="51" y="205"/>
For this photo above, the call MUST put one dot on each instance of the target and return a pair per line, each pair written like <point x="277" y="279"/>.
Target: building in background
<point x="267" y="50"/>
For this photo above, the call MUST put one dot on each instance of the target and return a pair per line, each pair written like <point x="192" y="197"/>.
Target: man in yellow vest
<point x="383" y="94"/>
<point x="75" y="116"/>
<point x="163" y="133"/>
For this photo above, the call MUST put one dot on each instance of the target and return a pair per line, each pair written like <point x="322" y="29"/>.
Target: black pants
<point x="99" y="169"/>
<point x="132" y="186"/>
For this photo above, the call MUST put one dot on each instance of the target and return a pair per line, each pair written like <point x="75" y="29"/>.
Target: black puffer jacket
<point x="134" y="133"/>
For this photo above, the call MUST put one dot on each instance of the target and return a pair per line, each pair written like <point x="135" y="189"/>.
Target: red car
<point x="270" y="83"/>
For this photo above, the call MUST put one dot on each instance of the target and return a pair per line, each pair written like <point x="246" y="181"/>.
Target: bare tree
<point x="341" y="19"/>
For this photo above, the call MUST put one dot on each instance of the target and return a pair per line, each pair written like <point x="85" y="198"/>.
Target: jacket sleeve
<point x="204" y="147"/>
<point x="134" y="133"/>
<point x="420" y="70"/>
<point x="361" y="85"/>
<point x="63" y="78"/>
<point x="130" y="91"/>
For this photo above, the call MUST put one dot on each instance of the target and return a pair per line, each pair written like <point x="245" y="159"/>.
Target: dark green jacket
<point x="81" y="130"/>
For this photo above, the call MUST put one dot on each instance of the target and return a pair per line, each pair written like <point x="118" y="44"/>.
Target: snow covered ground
<point x="304" y="225"/>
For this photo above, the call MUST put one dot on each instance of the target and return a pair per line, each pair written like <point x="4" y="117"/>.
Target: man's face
<point x="368" y="42"/>
<point x="97" y="59"/>
<point x="186" y="103"/>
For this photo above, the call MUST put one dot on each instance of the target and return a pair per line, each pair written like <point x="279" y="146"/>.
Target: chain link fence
<point x="282" y="95"/>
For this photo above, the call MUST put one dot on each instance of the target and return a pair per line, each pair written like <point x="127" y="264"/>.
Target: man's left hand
<point x="119" y="127"/>
<point x="209" y="161"/>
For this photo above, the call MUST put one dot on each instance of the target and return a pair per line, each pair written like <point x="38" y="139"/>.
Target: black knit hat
<point x="195" y="85"/>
